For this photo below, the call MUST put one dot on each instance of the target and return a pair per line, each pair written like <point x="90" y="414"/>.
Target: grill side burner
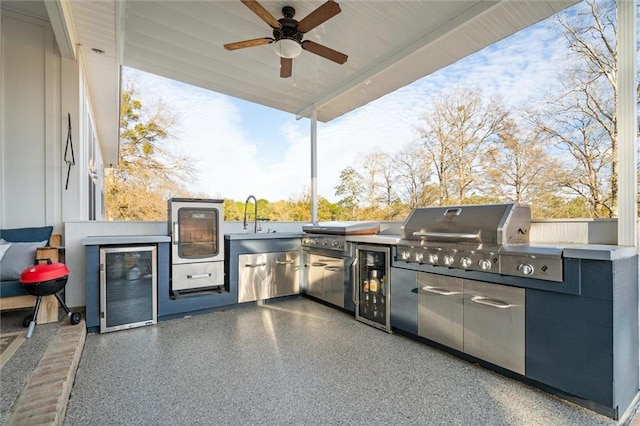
<point x="488" y="238"/>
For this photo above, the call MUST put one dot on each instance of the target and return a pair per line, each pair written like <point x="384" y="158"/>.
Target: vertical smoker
<point x="372" y="292"/>
<point x="197" y="246"/>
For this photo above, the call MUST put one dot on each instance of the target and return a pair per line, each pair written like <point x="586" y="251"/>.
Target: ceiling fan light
<point x="287" y="48"/>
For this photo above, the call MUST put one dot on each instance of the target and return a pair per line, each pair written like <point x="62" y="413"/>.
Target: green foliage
<point x="148" y="173"/>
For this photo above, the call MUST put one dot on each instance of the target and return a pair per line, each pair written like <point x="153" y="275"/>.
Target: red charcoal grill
<point x="44" y="280"/>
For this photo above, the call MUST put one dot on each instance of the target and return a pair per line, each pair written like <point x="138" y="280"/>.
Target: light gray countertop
<point x="578" y="251"/>
<point x="387" y="239"/>
<point x="597" y="251"/>
<point x="262" y="235"/>
<point x="125" y="239"/>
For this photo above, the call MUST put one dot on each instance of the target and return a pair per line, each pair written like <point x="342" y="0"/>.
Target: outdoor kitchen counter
<point x="384" y="239"/>
<point x="262" y="235"/>
<point x="595" y="251"/>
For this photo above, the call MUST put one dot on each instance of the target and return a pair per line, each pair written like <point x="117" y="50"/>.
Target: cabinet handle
<point x="439" y="291"/>
<point x="197" y="276"/>
<point x="447" y="235"/>
<point x="354" y="270"/>
<point x="255" y="265"/>
<point x="318" y="264"/>
<point x="333" y="268"/>
<point x="176" y="233"/>
<point x="491" y="302"/>
<point x="284" y="262"/>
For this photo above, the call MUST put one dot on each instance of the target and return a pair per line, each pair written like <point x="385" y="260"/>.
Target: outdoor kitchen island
<point x="577" y="339"/>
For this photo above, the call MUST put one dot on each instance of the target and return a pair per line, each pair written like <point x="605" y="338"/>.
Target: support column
<point x="314" y="165"/>
<point x="627" y="124"/>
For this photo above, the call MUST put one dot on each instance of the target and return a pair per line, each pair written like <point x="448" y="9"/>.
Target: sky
<point x="241" y="149"/>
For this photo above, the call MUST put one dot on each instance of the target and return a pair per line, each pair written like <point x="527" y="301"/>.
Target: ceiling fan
<point x="288" y="34"/>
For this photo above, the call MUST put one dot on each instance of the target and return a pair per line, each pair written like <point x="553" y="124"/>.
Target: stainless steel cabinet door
<point x="440" y="309"/>
<point x="494" y="324"/>
<point x="325" y="278"/>
<point x="286" y="273"/>
<point x="315" y="272"/>
<point x="253" y="277"/>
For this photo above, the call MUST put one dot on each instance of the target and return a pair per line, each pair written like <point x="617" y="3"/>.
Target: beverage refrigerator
<point x="372" y="292"/>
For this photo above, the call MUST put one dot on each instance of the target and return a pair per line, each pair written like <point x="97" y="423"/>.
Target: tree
<point x="456" y="135"/>
<point x="518" y="167"/>
<point x="350" y="190"/>
<point x="148" y="173"/>
<point x="582" y="120"/>
<point x="413" y="176"/>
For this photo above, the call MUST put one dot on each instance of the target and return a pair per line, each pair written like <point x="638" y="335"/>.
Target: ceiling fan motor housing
<point x="288" y="26"/>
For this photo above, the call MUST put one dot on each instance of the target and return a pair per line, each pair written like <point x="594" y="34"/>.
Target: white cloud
<point x="232" y="163"/>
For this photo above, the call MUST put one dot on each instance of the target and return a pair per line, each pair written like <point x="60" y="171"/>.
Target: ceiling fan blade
<point x="286" y="66"/>
<point x="324" y="51"/>
<point x="262" y="13"/>
<point x="318" y="16"/>
<point x="248" y="43"/>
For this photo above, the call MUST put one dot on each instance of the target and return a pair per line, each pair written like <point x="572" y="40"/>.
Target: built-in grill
<point x="332" y="235"/>
<point x="491" y="238"/>
<point x="329" y="259"/>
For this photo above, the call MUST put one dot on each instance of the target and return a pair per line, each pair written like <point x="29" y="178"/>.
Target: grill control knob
<point x="433" y="258"/>
<point x="405" y="255"/>
<point x="484" y="264"/>
<point x="448" y="260"/>
<point x="526" y="268"/>
<point x="336" y="244"/>
<point x="465" y="262"/>
<point x="325" y="242"/>
<point x="418" y="256"/>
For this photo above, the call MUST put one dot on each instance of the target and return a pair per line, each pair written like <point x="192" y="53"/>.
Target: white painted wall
<point x="31" y="91"/>
<point x="38" y="89"/>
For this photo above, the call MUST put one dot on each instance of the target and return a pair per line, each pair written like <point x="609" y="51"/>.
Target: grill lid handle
<point x="447" y="235"/>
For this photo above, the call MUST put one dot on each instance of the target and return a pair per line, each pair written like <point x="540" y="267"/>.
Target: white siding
<point x="27" y="55"/>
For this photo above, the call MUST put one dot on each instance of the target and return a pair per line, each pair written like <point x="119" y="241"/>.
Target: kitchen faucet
<point x="255" y="213"/>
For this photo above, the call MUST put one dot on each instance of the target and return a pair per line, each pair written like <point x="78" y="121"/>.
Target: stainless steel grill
<point x="491" y="238"/>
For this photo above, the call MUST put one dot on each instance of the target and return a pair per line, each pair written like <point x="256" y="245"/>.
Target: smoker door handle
<point x="447" y="235"/>
<point x="255" y="265"/>
<point x="440" y="291"/>
<point x="176" y="232"/>
<point x="198" y="276"/>
<point x="491" y="302"/>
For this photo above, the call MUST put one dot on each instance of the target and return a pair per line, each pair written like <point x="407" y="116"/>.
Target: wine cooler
<point x="372" y="292"/>
<point x="128" y="287"/>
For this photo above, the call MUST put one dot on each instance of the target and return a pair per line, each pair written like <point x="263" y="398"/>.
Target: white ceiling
<point x="389" y="43"/>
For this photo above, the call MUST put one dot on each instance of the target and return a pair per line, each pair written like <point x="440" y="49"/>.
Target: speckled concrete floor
<point x="294" y="362"/>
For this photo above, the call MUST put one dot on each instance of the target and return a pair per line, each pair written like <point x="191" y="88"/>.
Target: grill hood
<point x="487" y="224"/>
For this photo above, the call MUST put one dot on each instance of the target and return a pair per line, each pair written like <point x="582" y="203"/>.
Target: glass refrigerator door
<point x="372" y="286"/>
<point x="128" y="287"/>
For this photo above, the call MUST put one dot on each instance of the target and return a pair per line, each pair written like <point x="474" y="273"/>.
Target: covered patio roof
<point x="389" y="45"/>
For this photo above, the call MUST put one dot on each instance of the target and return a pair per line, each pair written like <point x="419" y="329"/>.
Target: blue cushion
<point x="11" y="288"/>
<point x="27" y="235"/>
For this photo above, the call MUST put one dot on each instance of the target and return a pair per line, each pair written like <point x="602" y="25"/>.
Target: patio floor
<point x="288" y="362"/>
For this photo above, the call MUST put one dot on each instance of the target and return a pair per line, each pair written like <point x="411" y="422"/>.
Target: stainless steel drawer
<point x="440" y="309"/>
<point x="494" y="324"/>
<point x="197" y="275"/>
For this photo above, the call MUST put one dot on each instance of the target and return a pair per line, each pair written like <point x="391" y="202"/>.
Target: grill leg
<point x="32" y="324"/>
<point x="64" y="305"/>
